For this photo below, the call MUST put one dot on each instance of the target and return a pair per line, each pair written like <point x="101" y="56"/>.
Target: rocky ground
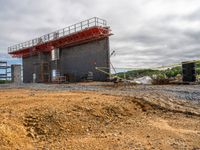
<point x="99" y="116"/>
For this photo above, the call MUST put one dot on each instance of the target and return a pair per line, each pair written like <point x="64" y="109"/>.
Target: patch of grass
<point x="4" y="81"/>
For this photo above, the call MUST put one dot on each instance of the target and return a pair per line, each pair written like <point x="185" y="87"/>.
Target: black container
<point x="189" y="71"/>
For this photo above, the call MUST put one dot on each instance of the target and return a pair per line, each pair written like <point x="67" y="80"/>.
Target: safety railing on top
<point x="59" y="33"/>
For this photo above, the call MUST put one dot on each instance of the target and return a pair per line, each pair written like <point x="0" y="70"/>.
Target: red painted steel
<point x="86" y="35"/>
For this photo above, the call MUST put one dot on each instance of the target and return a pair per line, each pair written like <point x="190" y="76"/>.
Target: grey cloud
<point x="145" y="32"/>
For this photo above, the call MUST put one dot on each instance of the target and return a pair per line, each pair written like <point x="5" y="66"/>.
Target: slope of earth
<point x="39" y="119"/>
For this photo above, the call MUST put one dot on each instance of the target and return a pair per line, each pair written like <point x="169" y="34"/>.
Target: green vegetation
<point x="173" y="72"/>
<point x="4" y="81"/>
<point x="168" y="73"/>
<point x="137" y="73"/>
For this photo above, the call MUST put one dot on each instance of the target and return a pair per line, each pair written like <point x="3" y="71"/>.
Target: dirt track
<point x="40" y="119"/>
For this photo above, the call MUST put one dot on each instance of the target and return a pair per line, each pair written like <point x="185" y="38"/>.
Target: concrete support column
<point x="16" y="73"/>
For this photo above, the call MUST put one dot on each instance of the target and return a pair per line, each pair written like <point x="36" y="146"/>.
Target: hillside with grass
<point x="167" y="73"/>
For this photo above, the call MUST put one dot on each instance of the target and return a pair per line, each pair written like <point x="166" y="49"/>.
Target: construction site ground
<point x="99" y="116"/>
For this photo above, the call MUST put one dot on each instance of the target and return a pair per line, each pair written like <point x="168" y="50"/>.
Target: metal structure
<point x="88" y="30"/>
<point x="5" y="72"/>
<point x="68" y="53"/>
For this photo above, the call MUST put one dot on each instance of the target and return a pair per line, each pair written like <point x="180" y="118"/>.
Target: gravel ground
<point x="184" y="92"/>
<point x="181" y="98"/>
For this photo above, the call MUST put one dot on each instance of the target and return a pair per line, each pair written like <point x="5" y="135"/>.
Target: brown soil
<point x="32" y="119"/>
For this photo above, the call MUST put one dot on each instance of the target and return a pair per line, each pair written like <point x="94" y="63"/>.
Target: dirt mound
<point x="43" y="124"/>
<point x="89" y="120"/>
<point x="48" y="124"/>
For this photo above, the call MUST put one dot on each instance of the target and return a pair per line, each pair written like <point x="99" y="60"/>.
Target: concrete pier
<point x="16" y="74"/>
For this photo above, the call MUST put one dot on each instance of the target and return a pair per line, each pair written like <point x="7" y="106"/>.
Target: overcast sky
<point x="146" y="32"/>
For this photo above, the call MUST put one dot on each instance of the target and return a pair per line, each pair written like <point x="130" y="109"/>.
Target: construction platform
<point x="79" y="33"/>
<point x="70" y="54"/>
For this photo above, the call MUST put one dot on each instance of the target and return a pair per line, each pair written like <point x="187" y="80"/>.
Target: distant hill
<point x="168" y="73"/>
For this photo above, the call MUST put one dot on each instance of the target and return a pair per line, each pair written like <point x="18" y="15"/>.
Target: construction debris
<point x="143" y="80"/>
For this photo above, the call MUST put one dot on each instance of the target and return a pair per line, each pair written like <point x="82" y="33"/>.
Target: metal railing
<point x="59" y="33"/>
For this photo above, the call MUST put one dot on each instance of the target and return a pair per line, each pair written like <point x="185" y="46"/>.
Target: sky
<point x="147" y="33"/>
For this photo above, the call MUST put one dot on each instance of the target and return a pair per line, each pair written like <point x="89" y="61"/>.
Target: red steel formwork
<point x="85" y="31"/>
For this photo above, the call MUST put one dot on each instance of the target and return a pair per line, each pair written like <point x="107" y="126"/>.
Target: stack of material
<point x="59" y="79"/>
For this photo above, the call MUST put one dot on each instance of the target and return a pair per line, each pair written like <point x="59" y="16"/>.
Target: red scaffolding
<point x="85" y="31"/>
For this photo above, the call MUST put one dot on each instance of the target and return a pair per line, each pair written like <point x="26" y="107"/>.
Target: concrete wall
<point x="28" y="68"/>
<point x="31" y="65"/>
<point x="16" y="73"/>
<point x="75" y="61"/>
<point x="79" y="60"/>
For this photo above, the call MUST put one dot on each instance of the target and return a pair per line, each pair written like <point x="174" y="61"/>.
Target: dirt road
<point x="47" y="119"/>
